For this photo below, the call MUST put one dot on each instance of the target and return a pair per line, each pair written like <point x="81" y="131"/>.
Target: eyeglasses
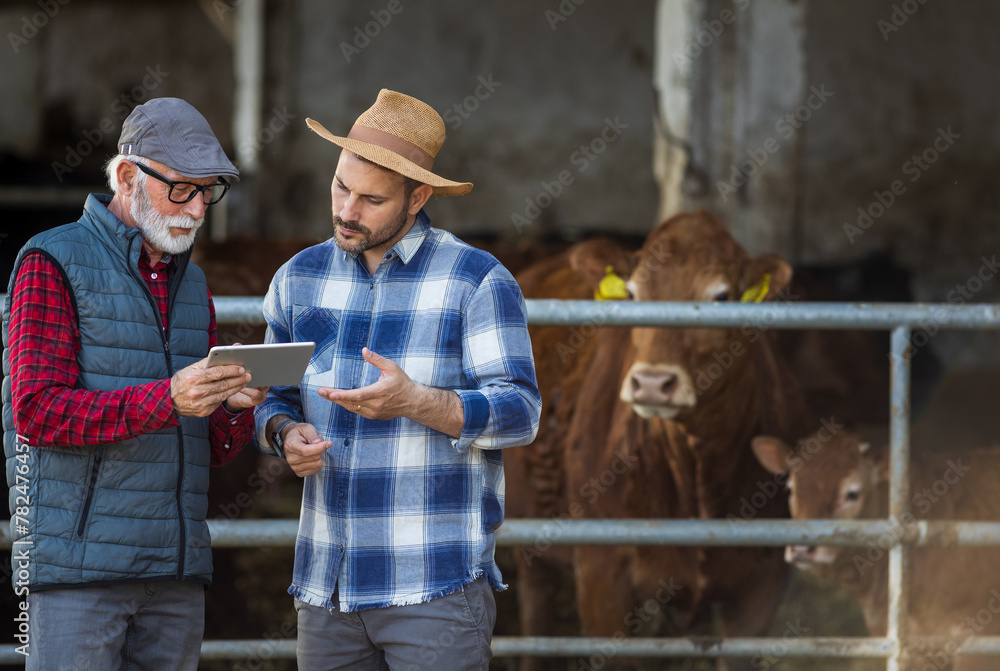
<point x="184" y="192"/>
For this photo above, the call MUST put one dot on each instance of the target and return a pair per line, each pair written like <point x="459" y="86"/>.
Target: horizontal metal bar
<point x="878" y="316"/>
<point x="544" y="312"/>
<point x="607" y="647"/>
<point x="736" y="532"/>
<point x="70" y="197"/>
<point x="694" y="646"/>
<point x="514" y="646"/>
<point x="588" y="314"/>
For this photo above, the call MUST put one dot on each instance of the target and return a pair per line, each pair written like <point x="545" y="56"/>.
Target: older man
<point x="422" y="372"/>
<point x="111" y="418"/>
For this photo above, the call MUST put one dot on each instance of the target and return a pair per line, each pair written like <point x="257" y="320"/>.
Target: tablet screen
<point x="274" y="364"/>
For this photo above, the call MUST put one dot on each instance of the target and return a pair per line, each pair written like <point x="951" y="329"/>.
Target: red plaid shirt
<point x="50" y="410"/>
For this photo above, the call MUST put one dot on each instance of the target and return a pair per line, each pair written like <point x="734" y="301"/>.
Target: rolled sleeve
<point x="477" y="414"/>
<point x="503" y="408"/>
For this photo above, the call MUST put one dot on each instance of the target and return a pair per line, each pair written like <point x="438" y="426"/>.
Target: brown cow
<point x="842" y="477"/>
<point x="654" y="423"/>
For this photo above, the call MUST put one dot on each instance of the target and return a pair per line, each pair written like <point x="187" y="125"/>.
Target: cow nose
<point x="652" y="387"/>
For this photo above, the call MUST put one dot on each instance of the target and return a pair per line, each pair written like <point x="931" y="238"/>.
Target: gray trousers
<point x="152" y="626"/>
<point x="452" y="632"/>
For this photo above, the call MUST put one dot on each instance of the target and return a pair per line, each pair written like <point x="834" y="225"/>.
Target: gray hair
<point x="111" y="170"/>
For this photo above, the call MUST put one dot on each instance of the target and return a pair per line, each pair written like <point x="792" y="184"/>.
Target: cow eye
<point x="852" y="495"/>
<point x="722" y="296"/>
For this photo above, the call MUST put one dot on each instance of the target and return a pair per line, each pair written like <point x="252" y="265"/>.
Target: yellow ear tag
<point x="757" y="292"/>
<point x="611" y="287"/>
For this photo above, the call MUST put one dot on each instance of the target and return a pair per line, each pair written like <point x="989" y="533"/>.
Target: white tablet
<point x="276" y="364"/>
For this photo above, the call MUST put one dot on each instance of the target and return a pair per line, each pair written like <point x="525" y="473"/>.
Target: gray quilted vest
<point x="125" y="512"/>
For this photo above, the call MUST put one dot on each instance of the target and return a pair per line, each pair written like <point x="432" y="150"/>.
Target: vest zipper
<point x="180" y="510"/>
<point x="90" y="494"/>
<point x="180" y="430"/>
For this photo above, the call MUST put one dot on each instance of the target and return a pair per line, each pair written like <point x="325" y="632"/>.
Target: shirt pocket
<point x="321" y="326"/>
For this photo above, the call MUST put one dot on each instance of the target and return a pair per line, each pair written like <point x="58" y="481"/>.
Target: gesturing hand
<point x="392" y="395"/>
<point x="304" y="448"/>
<point x="197" y="391"/>
<point x="395" y="394"/>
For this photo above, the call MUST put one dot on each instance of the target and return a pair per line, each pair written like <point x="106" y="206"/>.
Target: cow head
<point x="834" y="479"/>
<point x="689" y="257"/>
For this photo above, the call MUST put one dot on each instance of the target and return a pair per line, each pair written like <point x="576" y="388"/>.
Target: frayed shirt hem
<point x="327" y="603"/>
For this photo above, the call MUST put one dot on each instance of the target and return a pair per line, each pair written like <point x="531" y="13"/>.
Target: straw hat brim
<point x="393" y="161"/>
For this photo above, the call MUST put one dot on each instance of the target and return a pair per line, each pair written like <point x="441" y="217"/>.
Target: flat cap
<point x="171" y="131"/>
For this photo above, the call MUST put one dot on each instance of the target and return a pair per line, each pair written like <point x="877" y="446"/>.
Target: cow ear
<point x="766" y="272"/>
<point x="772" y="453"/>
<point x="878" y="456"/>
<point x="591" y="259"/>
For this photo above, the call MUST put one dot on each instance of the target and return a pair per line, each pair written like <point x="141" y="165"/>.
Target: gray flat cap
<point x="171" y="131"/>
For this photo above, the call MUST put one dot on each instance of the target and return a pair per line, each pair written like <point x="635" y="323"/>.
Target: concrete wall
<point x="71" y="75"/>
<point x="922" y="119"/>
<point x="522" y="87"/>
<point x="885" y="106"/>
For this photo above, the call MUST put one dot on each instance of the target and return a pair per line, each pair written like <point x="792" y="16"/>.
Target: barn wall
<point x="884" y="106"/>
<point x="926" y="92"/>
<point x="71" y="78"/>
<point x="935" y="72"/>
<point x="522" y="86"/>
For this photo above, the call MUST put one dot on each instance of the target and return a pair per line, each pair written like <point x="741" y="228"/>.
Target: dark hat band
<point x="397" y="145"/>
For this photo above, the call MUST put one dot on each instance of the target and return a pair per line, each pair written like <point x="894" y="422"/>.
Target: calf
<point x="845" y="478"/>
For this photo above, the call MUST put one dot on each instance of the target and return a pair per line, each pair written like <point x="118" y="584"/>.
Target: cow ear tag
<point x="757" y="292"/>
<point x="611" y="287"/>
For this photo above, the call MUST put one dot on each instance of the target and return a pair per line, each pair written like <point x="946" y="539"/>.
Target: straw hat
<point x="402" y="134"/>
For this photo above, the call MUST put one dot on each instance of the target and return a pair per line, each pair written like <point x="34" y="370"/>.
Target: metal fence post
<point x="899" y="494"/>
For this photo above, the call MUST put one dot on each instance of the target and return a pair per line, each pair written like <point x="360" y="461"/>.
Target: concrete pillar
<point x="673" y="24"/>
<point x="732" y="77"/>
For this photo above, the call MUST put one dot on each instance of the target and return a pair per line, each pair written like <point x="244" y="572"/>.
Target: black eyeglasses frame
<point x="194" y="187"/>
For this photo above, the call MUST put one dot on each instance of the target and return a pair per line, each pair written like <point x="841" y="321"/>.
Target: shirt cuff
<point x="262" y="415"/>
<point x="230" y="416"/>
<point x="161" y="414"/>
<point x="477" y="415"/>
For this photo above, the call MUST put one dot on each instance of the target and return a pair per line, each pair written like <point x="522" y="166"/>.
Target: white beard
<point x="155" y="226"/>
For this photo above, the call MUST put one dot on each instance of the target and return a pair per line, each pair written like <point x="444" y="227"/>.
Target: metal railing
<point x="900" y="319"/>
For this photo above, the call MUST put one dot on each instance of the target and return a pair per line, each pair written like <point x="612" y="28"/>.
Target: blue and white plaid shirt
<point x="401" y="513"/>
